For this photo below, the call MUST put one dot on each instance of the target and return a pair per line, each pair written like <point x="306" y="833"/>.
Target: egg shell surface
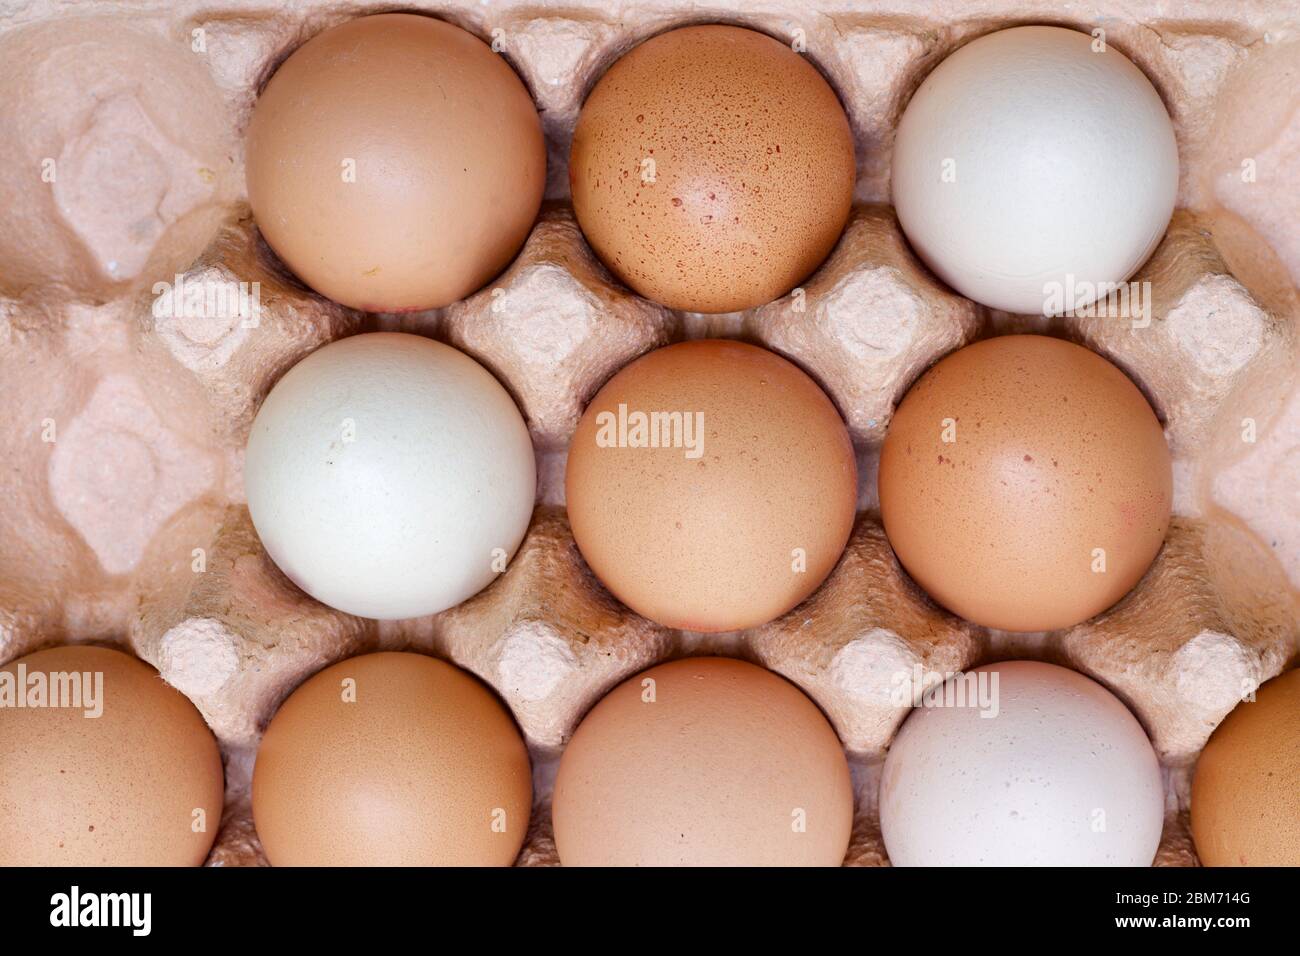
<point x="1246" y="791"/>
<point x="1031" y="158"/>
<point x="1025" y="483"/>
<point x="726" y="533"/>
<point x="124" y="774"/>
<point x="712" y="168"/>
<point x="395" y="163"/>
<point x="705" y="761"/>
<point x="389" y="475"/>
<point x="392" y="759"/>
<point x="1060" y="774"/>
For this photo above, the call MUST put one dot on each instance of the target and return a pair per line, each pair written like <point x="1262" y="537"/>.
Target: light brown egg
<point x="392" y="759"/>
<point x="703" y="762"/>
<point x="1246" y="792"/>
<point x="712" y="168"/>
<point x="395" y="163"/>
<point x="1025" y="483"/>
<point x="124" y="773"/>
<point x="740" y="506"/>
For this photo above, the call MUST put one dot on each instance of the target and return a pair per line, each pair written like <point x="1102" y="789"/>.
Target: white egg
<point x="1036" y="766"/>
<point x="389" y="475"/>
<point x="1033" y="167"/>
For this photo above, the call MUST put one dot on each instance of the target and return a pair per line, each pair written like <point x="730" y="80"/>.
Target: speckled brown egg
<point x="102" y="763"/>
<point x="711" y="485"/>
<point x="1025" y="483"/>
<point x="395" y="163"/>
<point x="712" y="168"/>
<point x="392" y="759"/>
<point x="1246" y="792"/>
<point x="703" y="762"/>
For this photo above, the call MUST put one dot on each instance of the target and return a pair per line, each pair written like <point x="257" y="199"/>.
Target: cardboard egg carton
<point x="122" y="514"/>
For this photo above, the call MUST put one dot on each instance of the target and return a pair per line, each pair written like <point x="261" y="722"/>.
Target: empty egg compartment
<point x="122" y="514"/>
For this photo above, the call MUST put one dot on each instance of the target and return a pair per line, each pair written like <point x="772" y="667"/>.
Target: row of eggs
<point x="402" y="759"/>
<point x="395" y="163"/>
<point x="711" y="485"/>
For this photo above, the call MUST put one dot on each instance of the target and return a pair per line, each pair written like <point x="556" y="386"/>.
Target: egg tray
<point x="122" y="514"/>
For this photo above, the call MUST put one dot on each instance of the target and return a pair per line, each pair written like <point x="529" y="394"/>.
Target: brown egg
<point x="711" y="485"/>
<point x="392" y="760"/>
<point x="108" y="766"/>
<point x="395" y="163"/>
<point x="712" y="169"/>
<point x="703" y="762"/>
<point x="1246" y="792"/>
<point x="1025" y="483"/>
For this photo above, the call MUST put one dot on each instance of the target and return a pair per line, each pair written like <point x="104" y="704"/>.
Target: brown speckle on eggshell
<point x="1025" y="483"/>
<point x="712" y="168"/>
